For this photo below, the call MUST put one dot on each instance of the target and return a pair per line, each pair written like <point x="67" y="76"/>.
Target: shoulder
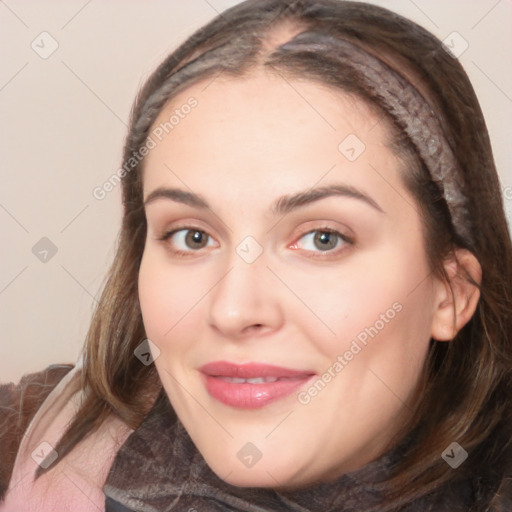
<point x="18" y="405"/>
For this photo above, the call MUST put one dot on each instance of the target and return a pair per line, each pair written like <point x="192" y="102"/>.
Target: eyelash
<point x="328" y="253"/>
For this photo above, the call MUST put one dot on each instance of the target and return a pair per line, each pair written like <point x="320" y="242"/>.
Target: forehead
<point x="263" y="126"/>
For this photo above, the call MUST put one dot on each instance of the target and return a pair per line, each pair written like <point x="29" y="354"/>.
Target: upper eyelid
<point x="344" y="237"/>
<point x="190" y="227"/>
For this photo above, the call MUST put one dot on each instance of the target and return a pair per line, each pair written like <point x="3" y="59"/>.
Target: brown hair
<point x="464" y="391"/>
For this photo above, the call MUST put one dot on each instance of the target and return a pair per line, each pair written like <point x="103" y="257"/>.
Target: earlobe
<point x="456" y="300"/>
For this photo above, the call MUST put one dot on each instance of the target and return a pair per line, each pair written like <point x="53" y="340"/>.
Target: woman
<point x="305" y="310"/>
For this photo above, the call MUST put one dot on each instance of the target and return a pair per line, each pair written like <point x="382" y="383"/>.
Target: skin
<point x="248" y="142"/>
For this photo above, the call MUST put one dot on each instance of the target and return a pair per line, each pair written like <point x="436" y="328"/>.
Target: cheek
<point x="169" y="296"/>
<point x="359" y="298"/>
<point x="390" y="319"/>
<point x="383" y="322"/>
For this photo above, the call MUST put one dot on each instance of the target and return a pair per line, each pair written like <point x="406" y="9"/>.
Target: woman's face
<point x="324" y="299"/>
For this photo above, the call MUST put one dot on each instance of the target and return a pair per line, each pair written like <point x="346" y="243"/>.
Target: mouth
<point x="251" y="385"/>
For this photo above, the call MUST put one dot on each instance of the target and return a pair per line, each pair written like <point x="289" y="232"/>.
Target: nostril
<point x="254" y="327"/>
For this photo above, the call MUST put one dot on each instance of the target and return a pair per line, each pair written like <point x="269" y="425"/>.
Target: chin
<point x="264" y="474"/>
<point x="249" y="478"/>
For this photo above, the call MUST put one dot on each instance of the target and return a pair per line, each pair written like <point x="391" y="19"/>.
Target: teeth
<point x="256" y="380"/>
<point x="260" y="380"/>
<point x="235" y="380"/>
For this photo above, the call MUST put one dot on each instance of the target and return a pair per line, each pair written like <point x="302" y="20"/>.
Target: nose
<point x="245" y="301"/>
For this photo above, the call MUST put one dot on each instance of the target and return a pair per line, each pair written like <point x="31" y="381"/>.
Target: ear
<point x="456" y="300"/>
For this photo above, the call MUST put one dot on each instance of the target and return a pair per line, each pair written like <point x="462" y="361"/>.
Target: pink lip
<point x="247" y="395"/>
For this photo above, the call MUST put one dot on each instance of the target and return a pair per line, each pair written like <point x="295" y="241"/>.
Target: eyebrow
<point x="281" y="206"/>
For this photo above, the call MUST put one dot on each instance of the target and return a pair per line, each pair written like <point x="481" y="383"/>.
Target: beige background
<point x="63" y="120"/>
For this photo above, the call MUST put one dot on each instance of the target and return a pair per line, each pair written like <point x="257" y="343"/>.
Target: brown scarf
<point x="159" y="469"/>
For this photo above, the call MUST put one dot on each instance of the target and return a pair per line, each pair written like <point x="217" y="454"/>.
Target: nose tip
<point x="243" y="303"/>
<point x="240" y="323"/>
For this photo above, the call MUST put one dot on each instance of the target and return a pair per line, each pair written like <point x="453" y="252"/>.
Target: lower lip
<point x="252" y="396"/>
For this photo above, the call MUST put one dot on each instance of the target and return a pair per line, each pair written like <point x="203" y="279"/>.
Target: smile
<point x="251" y="385"/>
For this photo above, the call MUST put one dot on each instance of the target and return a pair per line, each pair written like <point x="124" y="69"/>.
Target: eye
<point x="187" y="240"/>
<point x="323" y="240"/>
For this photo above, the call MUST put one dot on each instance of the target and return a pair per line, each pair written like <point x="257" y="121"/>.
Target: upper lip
<point x="250" y="370"/>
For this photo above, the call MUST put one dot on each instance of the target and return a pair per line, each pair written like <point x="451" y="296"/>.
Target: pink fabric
<point x="75" y="484"/>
